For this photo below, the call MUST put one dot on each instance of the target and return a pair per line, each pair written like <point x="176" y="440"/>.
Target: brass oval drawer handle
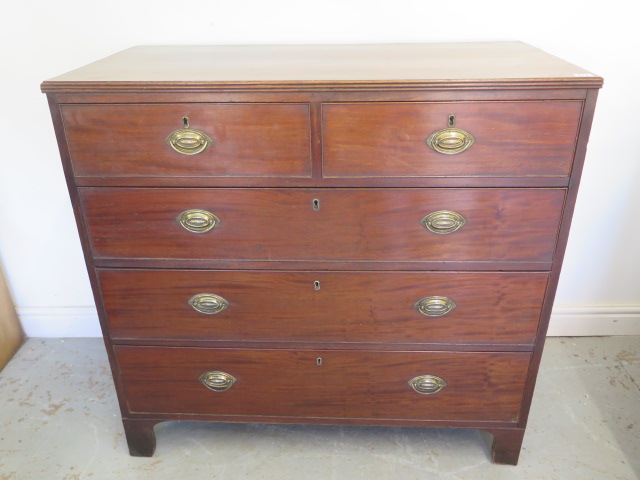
<point x="435" y="306"/>
<point x="427" y="384"/>
<point x="198" y="221"/>
<point x="217" y="381"/>
<point x="450" y="140"/>
<point x="208" y="303"/>
<point x="443" y="222"/>
<point x="188" y="141"/>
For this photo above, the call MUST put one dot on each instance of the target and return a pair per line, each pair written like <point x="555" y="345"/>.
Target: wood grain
<point x="11" y="335"/>
<point x="248" y="139"/>
<point x="252" y="66"/>
<point x="363" y="384"/>
<point x="366" y="225"/>
<point x="497" y="308"/>
<point x="389" y="139"/>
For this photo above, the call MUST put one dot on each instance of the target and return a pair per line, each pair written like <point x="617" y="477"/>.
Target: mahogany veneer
<point x="357" y="307"/>
<point x="250" y="139"/>
<point x="363" y="225"/>
<point x="349" y="383"/>
<point x="323" y="293"/>
<point x="514" y="139"/>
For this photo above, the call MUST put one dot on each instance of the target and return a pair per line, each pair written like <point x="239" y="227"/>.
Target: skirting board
<point x="594" y="320"/>
<point x="59" y="321"/>
<point x="566" y="321"/>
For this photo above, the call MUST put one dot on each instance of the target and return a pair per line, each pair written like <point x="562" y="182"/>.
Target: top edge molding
<point x="486" y="65"/>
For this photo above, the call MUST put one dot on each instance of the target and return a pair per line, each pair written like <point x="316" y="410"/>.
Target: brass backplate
<point x="443" y="222"/>
<point x="188" y="141"/>
<point x="427" y="384"/>
<point x="208" y="303"/>
<point x="217" y="381"/>
<point x="450" y="141"/>
<point x="197" y="220"/>
<point x="435" y="306"/>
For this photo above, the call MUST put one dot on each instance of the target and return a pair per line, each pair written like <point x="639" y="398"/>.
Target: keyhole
<point x="316" y="285"/>
<point x="452" y="120"/>
<point x="316" y="204"/>
<point x="185" y="122"/>
<point x="319" y="361"/>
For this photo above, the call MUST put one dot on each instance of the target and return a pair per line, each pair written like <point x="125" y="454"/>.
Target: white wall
<point x="39" y="248"/>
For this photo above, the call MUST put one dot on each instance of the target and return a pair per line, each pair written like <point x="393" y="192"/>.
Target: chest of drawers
<point x="325" y="234"/>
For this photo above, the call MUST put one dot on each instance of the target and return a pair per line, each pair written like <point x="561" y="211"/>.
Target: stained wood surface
<point x="248" y="139"/>
<point x="450" y="64"/>
<point x="563" y="238"/>
<point x="362" y="384"/>
<point x="495" y="308"/>
<point x="374" y="225"/>
<point x="334" y="182"/>
<point x="389" y="139"/>
<point x="505" y="449"/>
<point x="372" y="195"/>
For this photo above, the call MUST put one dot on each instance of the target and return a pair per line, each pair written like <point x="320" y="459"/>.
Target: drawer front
<point x="324" y="383"/>
<point x="390" y="139"/>
<point x="247" y="140"/>
<point x="462" y="308"/>
<point x="293" y="224"/>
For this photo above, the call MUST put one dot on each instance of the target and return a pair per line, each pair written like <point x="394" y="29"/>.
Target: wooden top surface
<point x="453" y="64"/>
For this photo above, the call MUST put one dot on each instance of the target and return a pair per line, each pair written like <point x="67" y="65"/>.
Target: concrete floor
<point x="60" y="420"/>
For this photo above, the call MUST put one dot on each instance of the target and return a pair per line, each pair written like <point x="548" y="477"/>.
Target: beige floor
<point x="59" y="420"/>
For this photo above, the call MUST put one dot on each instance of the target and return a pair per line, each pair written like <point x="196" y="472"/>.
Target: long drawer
<point x="134" y="140"/>
<point x="375" y="225"/>
<point x="324" y="383"/>
<point x="391" y="139"/>
<point x="391" y="307"/>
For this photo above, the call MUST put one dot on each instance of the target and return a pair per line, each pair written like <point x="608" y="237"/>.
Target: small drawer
<point x="507" y="139"/>
<point x="324" y="383"/>
<point x="238" y="140"/>
<point x="390" y="307"/>
<point x="374" y="225"/>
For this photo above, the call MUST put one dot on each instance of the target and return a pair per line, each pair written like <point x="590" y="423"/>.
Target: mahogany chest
<point x="365" y="234"/>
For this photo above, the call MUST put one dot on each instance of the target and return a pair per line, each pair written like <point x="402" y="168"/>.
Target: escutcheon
<point x="427" y="384"/>
<point x="217" y="381"/>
